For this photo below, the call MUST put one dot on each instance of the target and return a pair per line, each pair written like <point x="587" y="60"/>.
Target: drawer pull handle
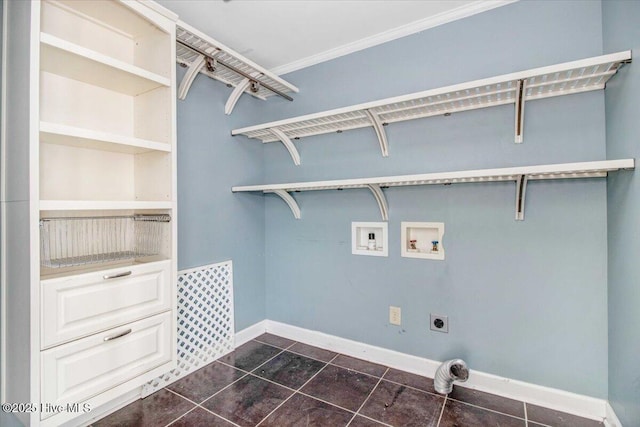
<point x="120" y="335"/>
<point x="115" y="276"/>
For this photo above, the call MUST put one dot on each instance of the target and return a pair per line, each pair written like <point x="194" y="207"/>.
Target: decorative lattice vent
<point x="205" y="321"/>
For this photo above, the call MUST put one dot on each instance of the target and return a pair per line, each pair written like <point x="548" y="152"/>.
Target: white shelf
<point x="520" y="175"/>
<point x="424" y="234"/>
<point x="70" y="60"/>
<point x="224" y="55"/>
<point x="515" y="88"/>
<point x="54" y="133"/>
<point x="99" y="205"/>
<point x="360" y="232"/>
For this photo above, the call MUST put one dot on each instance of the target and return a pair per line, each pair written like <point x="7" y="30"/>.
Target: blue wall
<point x="621" y="32"/>
<point x="523" y="298"/>
<point x="213" y="224"/>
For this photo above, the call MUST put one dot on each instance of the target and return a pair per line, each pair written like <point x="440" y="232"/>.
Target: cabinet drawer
<point x="81" y="369"/>
<point x="77" y="306"/>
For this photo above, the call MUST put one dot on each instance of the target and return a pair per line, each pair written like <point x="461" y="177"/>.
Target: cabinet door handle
<point x="115" y="276"/>
<point x="120" y="335"/>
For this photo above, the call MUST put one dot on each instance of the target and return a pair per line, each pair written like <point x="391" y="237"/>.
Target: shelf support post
<point x="520" y="95"/>
<point x="382" y="136"/>
<point x="381" y="199"/>
<point x="286" y="141"/>
<point x="190" y="76"/>
<point x="290" y="201"/>
<point x="521" y="192"/>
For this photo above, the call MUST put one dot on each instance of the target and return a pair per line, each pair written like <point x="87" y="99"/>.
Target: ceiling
<point x="286" y="35"/>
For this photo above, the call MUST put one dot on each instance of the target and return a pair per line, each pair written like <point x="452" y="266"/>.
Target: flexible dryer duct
<point x="450" y="371"/>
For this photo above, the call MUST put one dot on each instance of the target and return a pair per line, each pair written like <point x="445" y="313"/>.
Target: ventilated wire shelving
<point x="77" y="241"/>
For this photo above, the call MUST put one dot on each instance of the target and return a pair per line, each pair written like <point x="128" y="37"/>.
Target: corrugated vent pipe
<point x="450" y="371"/>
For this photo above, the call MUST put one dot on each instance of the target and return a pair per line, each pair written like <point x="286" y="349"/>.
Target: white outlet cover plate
<point x="445" y="320"/>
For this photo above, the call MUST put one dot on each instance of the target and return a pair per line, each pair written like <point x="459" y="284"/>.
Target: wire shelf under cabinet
<point x="77" y="241"/>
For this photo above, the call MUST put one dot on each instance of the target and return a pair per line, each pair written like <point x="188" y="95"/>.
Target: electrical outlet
<point x="395" y="315"/>
<point x="439" y="323"/>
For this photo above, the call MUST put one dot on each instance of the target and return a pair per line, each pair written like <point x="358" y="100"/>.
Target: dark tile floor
<point x="273" y="381"/>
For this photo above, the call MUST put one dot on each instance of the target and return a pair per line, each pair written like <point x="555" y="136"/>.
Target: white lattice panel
<point x="205" y="320"/>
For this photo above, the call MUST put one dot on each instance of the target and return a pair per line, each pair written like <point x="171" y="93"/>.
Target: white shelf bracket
<point x="190" y="76"/>
<point x="520" y="95"/>
<point x="381" y="199"/>
<point x="235" y="96"/>
<point x="377" y="126"/>
<point x="521" y="192"/>
<point x="286" y="141"/>
<point x="290" y="201"/>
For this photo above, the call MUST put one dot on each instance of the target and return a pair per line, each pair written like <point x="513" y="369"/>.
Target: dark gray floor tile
<point x="250" y="355"/>
<point x="359" y="421"/>
<point x="458" y="414"/>
<point x="314" y="352"/>
<point x="200" y="417"/>
<point x="489" y="401"/>
<point x="204" y="382"/>
<point x="160" y="408"/>
<point x="554" y="418"/>
<point x="247" y="401"/>
<point x="401" y="406"/>
<point x="342" y="387"/>
<point x="412" y="380"/>
<point x="275" y="340"/>
<point x="359" y="365"/>
<point x="303" y="411"/>
<point x="289" y="369"/>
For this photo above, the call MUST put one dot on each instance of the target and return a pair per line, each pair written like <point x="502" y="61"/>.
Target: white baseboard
<point x="584" y="406"/>
<point x="250" y="333"/>
<point x="611" y="419"/>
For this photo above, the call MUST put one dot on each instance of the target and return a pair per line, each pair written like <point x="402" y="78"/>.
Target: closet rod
<point x="235" y="70"/>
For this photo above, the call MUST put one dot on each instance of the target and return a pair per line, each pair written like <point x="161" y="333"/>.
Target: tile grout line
<point x="241" y="370"/>
<point x="442" y="410"/>
<point x="200" y="406"/>
<point x="526" y="417"/>
<point x="368" y="396"/>
<point x="173" y="421"/>
<point x="296" y="391"/>
<point x="484" y="408"/>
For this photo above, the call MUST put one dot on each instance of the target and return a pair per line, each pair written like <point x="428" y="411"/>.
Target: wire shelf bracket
<point x="202" y="54"/>
<point x="289" y="200"/>
<point x="381" y="200"/>
<point x="515" y="88"/>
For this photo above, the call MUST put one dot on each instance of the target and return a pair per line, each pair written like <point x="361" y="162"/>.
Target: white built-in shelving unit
<point x="98" y="258"/>
<point x="201" y="53"/>
<point x="515" y="88"/>
<point x="519" y="175"/>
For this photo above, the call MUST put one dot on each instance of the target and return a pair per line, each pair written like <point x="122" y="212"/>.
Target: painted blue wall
<point x="213" y="224"/>
<point x="621" y="32"/>
<point x="523" y="298"/>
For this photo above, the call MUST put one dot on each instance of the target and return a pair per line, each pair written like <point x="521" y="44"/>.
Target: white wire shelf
<point x="520" y="175"/>
<point x="225" y="65"/>
<point x="515" y="88"/>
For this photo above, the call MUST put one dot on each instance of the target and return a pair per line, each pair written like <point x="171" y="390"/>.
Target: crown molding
<point x="393" y="34"/>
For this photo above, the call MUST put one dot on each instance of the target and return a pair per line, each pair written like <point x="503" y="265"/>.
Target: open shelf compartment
<point x="422" y="240"/>
<point x="112" y="29"/>
<point x="370" y="238"/>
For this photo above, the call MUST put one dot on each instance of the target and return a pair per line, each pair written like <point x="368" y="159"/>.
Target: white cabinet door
<point x="81" y="369"/>
<point x="81" y="305"/>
